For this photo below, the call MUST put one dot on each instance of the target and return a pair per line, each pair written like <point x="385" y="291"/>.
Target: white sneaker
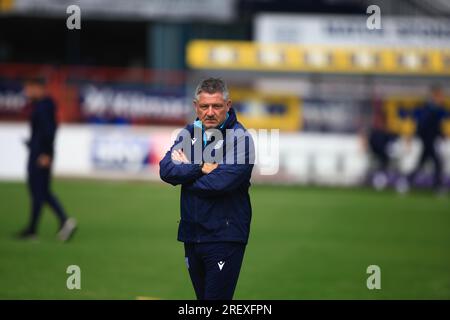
<point x="67" y="230"/>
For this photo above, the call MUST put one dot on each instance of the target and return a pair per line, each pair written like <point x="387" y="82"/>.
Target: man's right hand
<point x="209" y="167"/>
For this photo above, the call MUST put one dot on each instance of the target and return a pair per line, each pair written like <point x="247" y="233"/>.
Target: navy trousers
<point x="39" y="188"/>
<point x="214" y="268"/>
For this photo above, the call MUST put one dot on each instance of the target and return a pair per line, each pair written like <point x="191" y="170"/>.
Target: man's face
<point x="211" y="109"/>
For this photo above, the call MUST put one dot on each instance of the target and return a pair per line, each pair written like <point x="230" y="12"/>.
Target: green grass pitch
<point x="305" y="243"/>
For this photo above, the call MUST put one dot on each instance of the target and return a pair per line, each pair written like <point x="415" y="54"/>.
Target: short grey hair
<point x="212" y="85"/>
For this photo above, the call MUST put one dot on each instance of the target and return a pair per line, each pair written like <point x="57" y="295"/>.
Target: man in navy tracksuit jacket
<point x="212" y="159"/>
<point x="43" y="130"/>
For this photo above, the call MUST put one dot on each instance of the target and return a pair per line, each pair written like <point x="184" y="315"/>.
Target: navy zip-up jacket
<point x="216" y="206"/>
<point x="43" y="128"/>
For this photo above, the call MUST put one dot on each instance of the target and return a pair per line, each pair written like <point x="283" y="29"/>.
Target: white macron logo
<point x="193" y="140"/>
<point x="221" y="263"/>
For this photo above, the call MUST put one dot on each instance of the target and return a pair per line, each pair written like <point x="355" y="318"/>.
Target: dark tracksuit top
<point x="428" y="118"/>
<point x="214" y="207"/>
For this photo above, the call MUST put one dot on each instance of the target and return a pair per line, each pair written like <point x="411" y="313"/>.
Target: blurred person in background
<point x="215" y="202"/>
<point x="43" y="123"/>
<point x="428" y="118"/>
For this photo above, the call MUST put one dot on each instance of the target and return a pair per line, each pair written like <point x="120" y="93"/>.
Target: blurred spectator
<point x="40" y="160"/>
<point x="428" y="118"/>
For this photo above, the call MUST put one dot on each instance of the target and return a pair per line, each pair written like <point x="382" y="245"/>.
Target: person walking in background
<point x="41" y="153"/>
<point x="428" y="118"/>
